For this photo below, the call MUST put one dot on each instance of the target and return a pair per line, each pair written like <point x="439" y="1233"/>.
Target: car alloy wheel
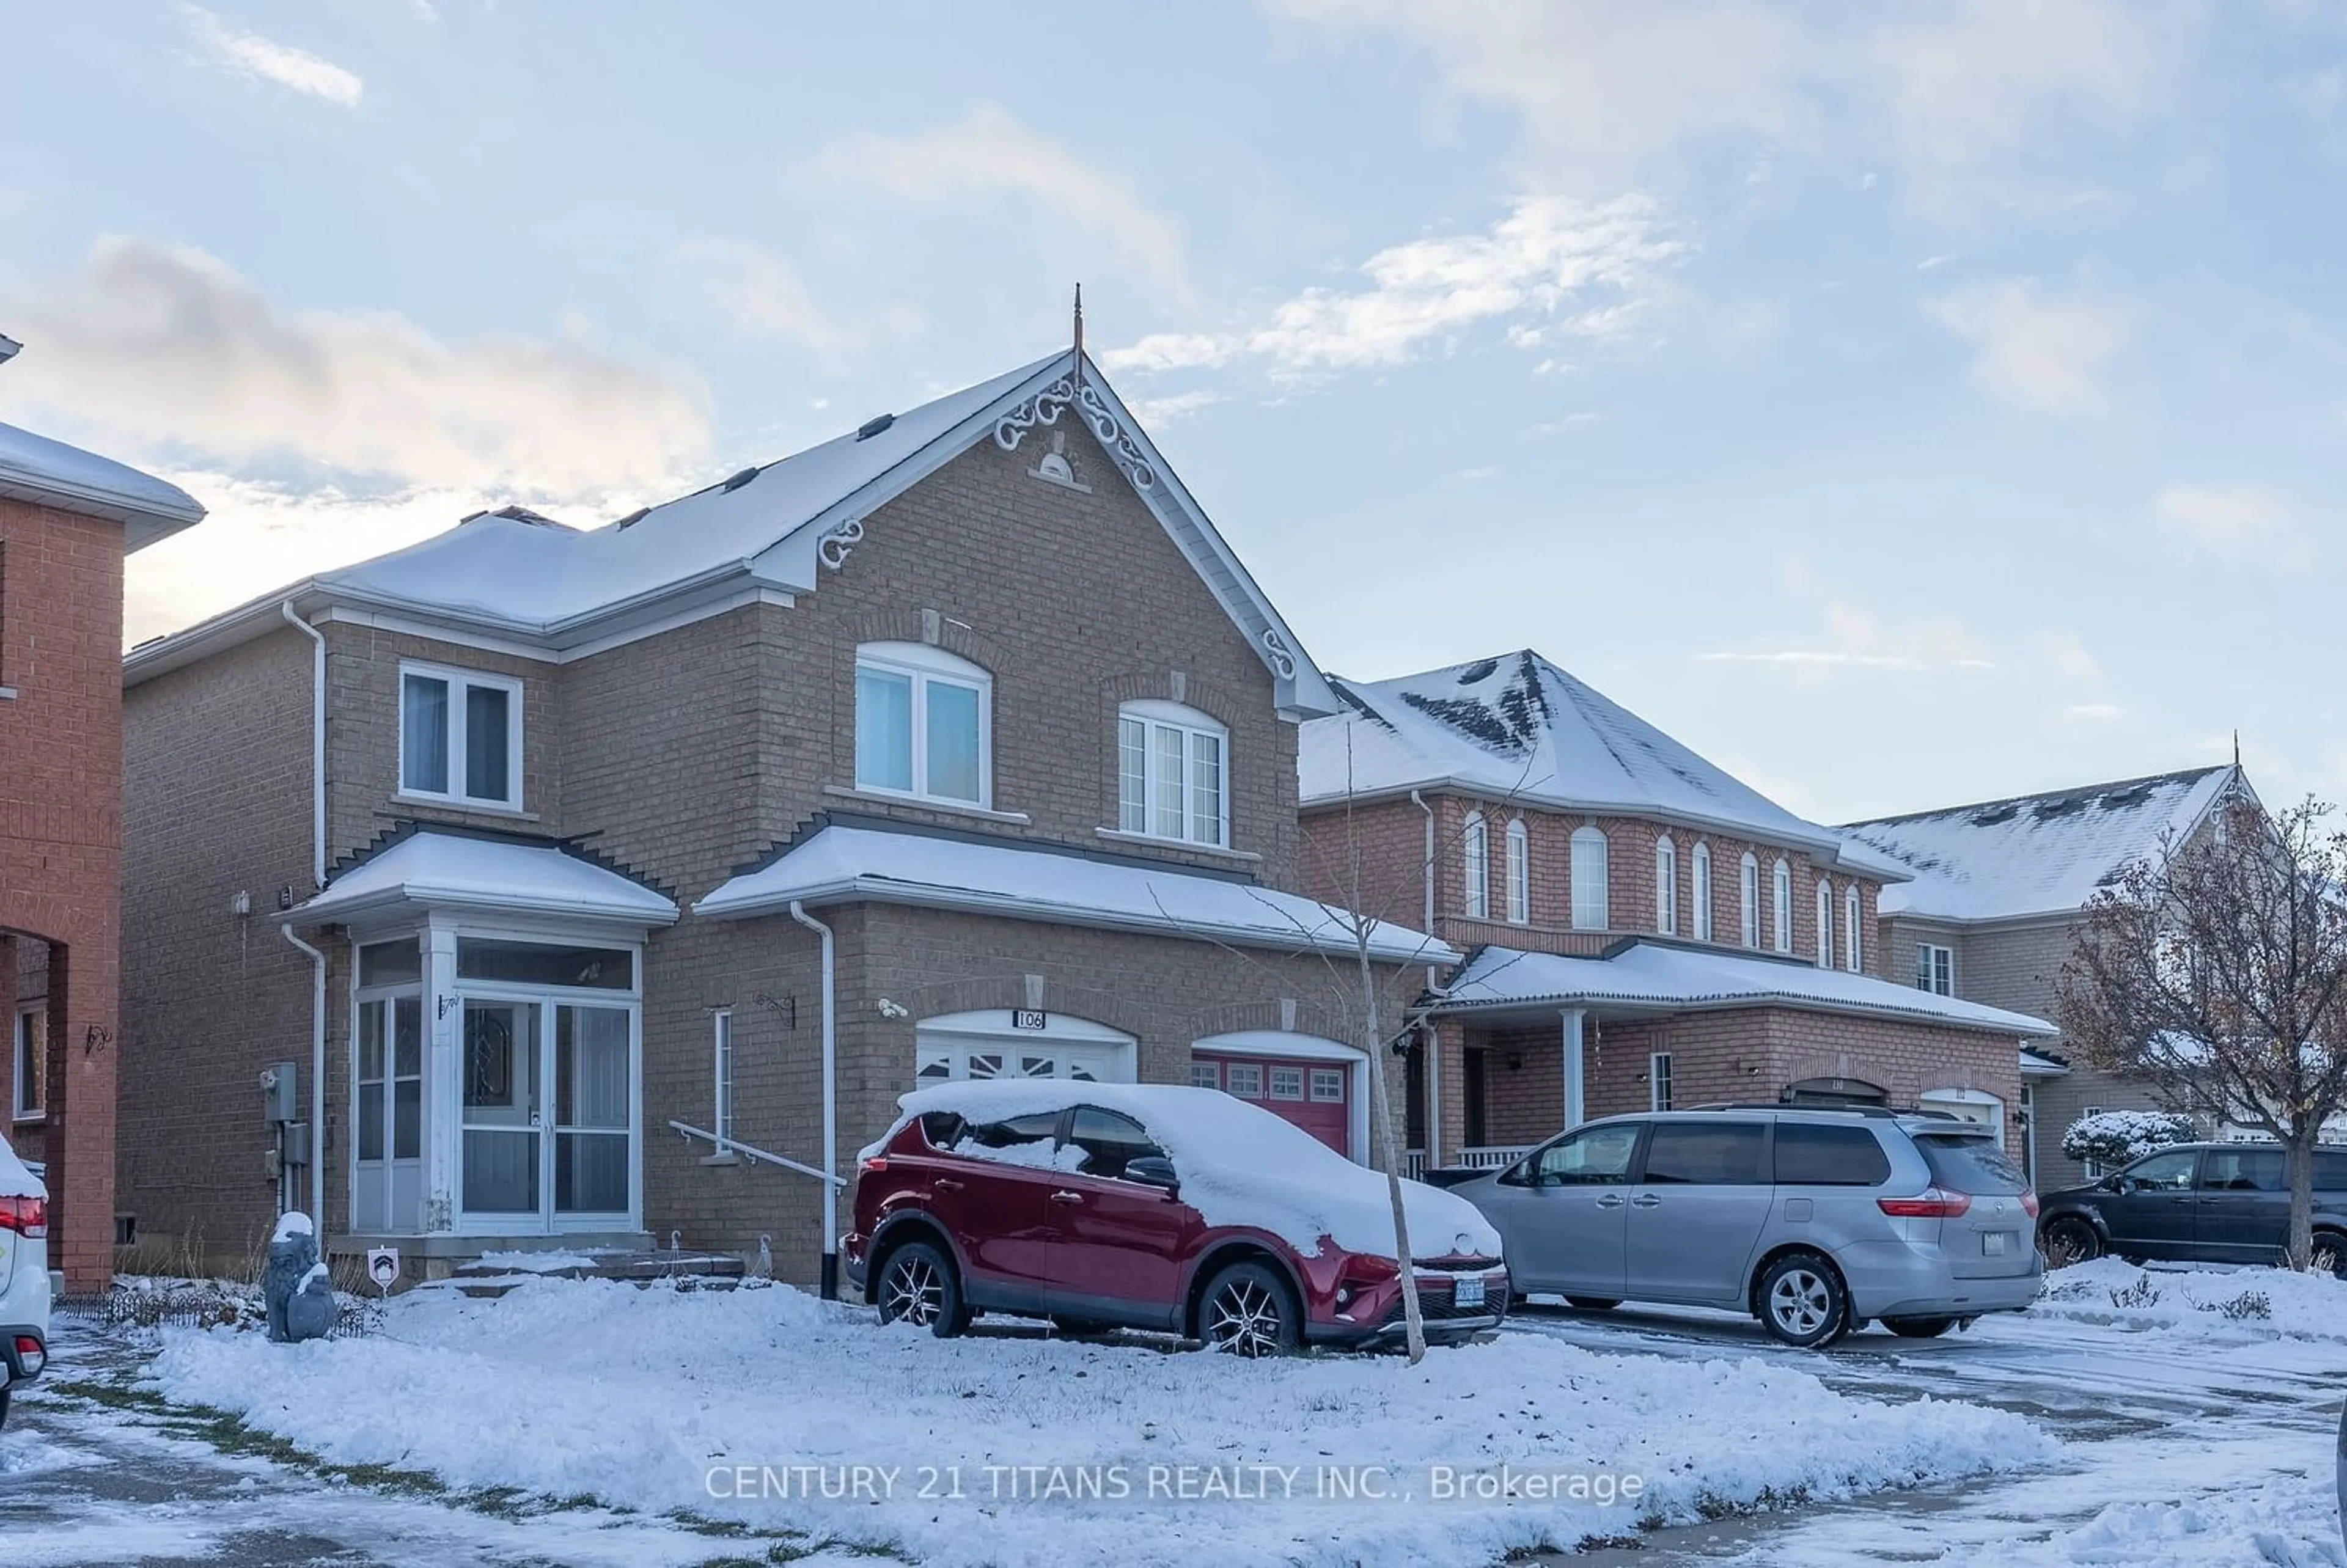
<point x="1802" y="1302"/>
<point x="918" y="1286"/>
<point x="1246" y="1313"/>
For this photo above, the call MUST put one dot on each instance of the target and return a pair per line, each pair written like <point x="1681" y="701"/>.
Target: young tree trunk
<point x="1381" y="1114"/>
<point x="2299" y="1161"/>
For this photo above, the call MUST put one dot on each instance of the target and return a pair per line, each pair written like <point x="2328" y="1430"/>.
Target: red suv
<point x="1151" y="1206"/>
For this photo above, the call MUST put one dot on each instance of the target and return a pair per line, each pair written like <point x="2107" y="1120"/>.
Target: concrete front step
<point x="709" y="1271"/>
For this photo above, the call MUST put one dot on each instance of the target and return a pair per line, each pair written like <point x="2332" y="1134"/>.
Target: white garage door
<point x="1004" y="1044"/>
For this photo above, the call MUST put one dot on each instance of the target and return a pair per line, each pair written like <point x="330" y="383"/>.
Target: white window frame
<point x="1475" y="850"/>
<point x="1699" y="891"/>
<point x="457" y="680"/>
<point x="1156" y="715"/>
<point x="1854" y="932"/>
<point x="925" y="665"/>
<point x="1520" y="874"/>
<point x="22" y="1036"/>
<point x="1660" y="1084"/>
<point x="724" y="1106"/>
<point x="1780" y="905"/>
<point x="1747" y="887"/>
<point x="1592" y="870"/>
<point x="1667" y="886"/>
<point x="1825" y="924"/>
<point x="1927" y="974"/>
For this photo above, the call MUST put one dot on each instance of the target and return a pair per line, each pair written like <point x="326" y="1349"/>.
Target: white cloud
<point x="989" y="151"/>
<point x="2227" y="520"/>
<point x="1855" y="639"/>
<point x="1158" y="412"/>
<point x="2094" y="713"/>
<point x="1533" y="269"/>
<point x="2039" y="351"/>
<point x="265" y="59"/>
<point x="155" y="349"/>
<point x="759" y="291"/>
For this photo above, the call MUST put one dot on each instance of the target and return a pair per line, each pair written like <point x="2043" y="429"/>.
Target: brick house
<point x="68" y="518"/>
<point x="636" y="860"/>
<point x="1644" y="930"/>
<point x="1993" y="903"/>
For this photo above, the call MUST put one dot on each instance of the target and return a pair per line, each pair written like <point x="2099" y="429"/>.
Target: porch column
<point x="1576" y="1077"/>
<point x="1430" y="1080"/>
<point x="443" y="1080"/>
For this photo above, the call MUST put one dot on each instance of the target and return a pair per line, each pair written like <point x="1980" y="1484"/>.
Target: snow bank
<point x="2289" y="1520"/>
<point x="2237" y="1304"/>
<point x="656" y="1399"/>
<point x="1240" y="1165"/>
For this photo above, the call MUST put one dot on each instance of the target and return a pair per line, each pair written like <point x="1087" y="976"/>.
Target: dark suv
<point x="2200" y="1203"/>
<point x="1104" y="1205"/>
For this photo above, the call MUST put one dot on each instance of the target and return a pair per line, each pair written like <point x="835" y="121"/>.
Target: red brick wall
<point x="60" y="840"/>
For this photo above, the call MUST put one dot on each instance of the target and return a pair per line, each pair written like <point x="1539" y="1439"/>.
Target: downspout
<point x="830" y="1106"/>
<point x="317" y="881"/>
<point x="1433" y="1049"/>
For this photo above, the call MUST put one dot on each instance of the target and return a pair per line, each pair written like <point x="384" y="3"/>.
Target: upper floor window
<point x="1781" y="904"/>
<point x="1749" y="890"/>
<point x="1520" y="875"/>
<point x="1825" y="924"/>
<point x="1700" y="891"/>
<point x="923" y="718"/>
<point x="460" y="736"/>
<point x="28" y="1053"/>
<point x="1475" y="848"/>
<point x="1172" y="770"/>
<point x="1853" y="946"/>
<point x="1589" y="904"/>
<point x="1935" y="969"/>
<point x="1667" y="886"/>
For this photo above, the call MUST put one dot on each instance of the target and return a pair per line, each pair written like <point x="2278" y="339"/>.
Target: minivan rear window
<point x="1808" y="1155"/>
<point x="1974" y="1165"/>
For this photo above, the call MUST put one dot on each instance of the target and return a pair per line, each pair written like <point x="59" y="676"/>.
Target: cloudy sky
<point x="1902" y="406"/>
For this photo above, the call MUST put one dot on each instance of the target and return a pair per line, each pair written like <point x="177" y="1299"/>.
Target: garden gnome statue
<point x="293" y="1266"/>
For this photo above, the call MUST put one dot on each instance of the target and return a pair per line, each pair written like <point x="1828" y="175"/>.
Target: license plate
<point x="1995" y="1244"/>
<point x="1467" y="1293"/>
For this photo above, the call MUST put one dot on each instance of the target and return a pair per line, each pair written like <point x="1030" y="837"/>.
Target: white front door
<point x="549" y="1129"/>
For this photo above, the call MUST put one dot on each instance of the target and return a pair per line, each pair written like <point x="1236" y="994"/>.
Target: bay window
<point x="1173" y="774"/>
<point x="923" y="723"/>
<point x="460" y="736"/>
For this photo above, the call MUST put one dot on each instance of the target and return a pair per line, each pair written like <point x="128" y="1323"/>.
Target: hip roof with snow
<point x="52" y="474"/>
<point x="841" y="863"/>
<point x="1521" y="729"/>
<point x="2038" y="854"/>
<point x="433" y="870"/>
<point x="1649" y="977"/>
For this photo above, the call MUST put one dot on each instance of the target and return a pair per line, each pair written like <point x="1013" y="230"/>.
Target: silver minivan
<point x="1816" y="1221"/>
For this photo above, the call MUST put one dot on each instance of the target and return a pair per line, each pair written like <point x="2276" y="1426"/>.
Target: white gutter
<point x="830" y="1277"/>
<point x="1434" y="1049"/>
<point x="317" y="881"/>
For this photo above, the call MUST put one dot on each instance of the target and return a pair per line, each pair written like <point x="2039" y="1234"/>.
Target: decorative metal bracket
<point x="1045" y="407"/>
<point x="837" y="540"/>
<point x="1283" y="658"/>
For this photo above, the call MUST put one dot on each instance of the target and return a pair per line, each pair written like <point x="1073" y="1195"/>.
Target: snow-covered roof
<point x="1647" y="976"/>
<point x="2036" y="853"/>
<point x="1520" y="728"/>
<point x="841" y="863"/>
<point x="36" y="469"/>
<point x="2040" y="1064"/>
<point x="552" y="588"/>
<point x="447" y="870"/>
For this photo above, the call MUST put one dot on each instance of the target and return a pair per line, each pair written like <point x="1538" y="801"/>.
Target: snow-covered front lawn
<point x="1040" y="1450"/>
<point x="2221" y="1303"/>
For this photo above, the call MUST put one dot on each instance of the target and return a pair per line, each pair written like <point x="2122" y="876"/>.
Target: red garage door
<point x="1315" y="1095"/>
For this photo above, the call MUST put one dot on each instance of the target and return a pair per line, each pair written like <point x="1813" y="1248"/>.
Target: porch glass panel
<point x="590" y="1135"/>
<point x="502" y="1109"/>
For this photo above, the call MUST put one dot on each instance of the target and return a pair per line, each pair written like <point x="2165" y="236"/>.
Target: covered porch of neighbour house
<point x="492" y="1067"/>
<point x="1521" y="1046"/>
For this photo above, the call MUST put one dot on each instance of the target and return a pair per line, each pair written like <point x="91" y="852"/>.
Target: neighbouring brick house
<point x="68" y="518"/>
<point x="1643" y="931"/>
<point x="961" y="745"/>
<point x="1993" y="903"/>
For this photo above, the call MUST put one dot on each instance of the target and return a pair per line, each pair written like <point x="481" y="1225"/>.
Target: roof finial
<point x="1080" y="331"/>
<point x="2237" y="750"/>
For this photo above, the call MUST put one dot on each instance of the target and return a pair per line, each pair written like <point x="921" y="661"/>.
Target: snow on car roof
<point x="1241" y="1166"/>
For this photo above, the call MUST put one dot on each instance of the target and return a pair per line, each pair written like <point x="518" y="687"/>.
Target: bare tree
<point x="2216" y="972"/>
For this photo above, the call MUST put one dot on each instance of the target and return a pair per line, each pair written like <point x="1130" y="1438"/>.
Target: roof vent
<point x="871" y="428"/>
<point x="638" y="515"/>
<point x="738" y="480"/>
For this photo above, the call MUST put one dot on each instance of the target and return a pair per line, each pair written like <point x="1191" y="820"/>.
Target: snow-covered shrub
<point x="2142" y="1293"/>
<point x="2122" y="1137"/>
<point x="2248" y="1304"/>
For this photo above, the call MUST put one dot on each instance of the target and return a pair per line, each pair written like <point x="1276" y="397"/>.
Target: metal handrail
<point x="731" y="1145"/>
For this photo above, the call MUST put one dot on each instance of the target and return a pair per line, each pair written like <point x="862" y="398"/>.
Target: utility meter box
<point x="279" y="1099"/>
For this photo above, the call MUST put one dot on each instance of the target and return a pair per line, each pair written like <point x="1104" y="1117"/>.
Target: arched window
<point x="1590" y="912"/>
<point x="1520" y="875"/>
<point x="1853" y="945"/>
<point x="1173" y="768"/>
<point x="1748" y="887"/>
<point x="1780" y="905"/>
<point x="923" y="723"/>
<point x="1825" y="924"/>
<point x="1476" y="847"/>
<point x="1700" y="892"/>
<point x="1667" y="886"/>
